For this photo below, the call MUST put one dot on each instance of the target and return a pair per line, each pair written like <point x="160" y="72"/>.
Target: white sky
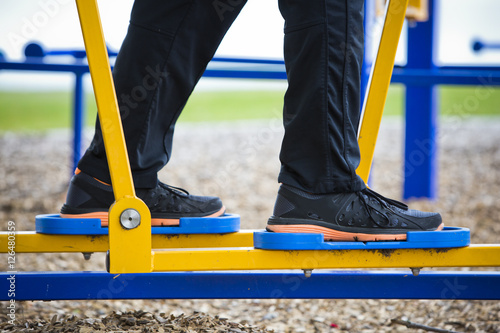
<point x="258" y="31"/>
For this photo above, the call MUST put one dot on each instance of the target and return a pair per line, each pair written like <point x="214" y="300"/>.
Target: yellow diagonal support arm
<point x="378" y="85"/>
<point x="130" y="249"/>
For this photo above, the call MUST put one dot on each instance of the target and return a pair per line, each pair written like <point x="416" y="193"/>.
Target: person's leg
<point x="321" y="192"/>
<point x="166" y="50"/>
<point x="323" y="57"/>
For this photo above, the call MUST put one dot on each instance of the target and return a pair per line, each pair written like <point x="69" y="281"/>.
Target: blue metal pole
<point x="420" y="168"/>
<point x="78" y="118"/>
<point x="229" y="285"/>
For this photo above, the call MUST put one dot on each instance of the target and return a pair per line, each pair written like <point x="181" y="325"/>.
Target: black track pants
<point x="167" y="48"/>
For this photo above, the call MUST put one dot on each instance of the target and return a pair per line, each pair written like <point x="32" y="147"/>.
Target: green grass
<point x="395" y="101"/>
<point x="39" y="111"/>
<point x="28" y="111"/>
<point x="480" y="100"/>
<point x="35" y="111"/>
<point x="454" y="100"/>
<point x="235" y="105"/>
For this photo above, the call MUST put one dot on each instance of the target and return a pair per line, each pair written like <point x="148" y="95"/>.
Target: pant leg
<point x="167" y="48"/>
<point x="323" y="57"/>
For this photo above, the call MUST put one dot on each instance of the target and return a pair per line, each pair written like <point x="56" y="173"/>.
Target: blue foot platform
<point x="54" y="224"/>
<point x="446" y="238"/>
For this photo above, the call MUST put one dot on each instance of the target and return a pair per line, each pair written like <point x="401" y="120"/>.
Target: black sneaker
<point x="90" y="198"/>
<point x="359" y="216"/>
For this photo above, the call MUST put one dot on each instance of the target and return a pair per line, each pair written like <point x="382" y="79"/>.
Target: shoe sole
<point x="335" y="235"/>
<point x="155" y="222"/>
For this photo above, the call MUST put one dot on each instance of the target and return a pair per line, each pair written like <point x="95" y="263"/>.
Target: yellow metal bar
<point x="32" y="242"/>
<point x="233" y="258"/>
<point x="250" y="259"/>
<point x="379" y="84"/>
<point x="107" y="104"/>
<point x="418" y="10"/>
<point x="130" y="249"/>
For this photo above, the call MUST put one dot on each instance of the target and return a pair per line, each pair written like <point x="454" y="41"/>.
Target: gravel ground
<point x="238" y="162"/>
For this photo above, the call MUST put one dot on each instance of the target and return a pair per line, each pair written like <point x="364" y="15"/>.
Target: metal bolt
<point x="87" y="255"/>
<point x="307" y="273"/>
<point x="415" y="270"/>
<point x="108" y="262"/>
<point x="130" y="218"/>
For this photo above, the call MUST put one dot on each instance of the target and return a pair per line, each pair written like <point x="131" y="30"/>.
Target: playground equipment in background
<point x="187" y="259"/>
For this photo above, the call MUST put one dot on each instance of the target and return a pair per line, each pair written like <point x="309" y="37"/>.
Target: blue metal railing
<point x="479" y="45"/>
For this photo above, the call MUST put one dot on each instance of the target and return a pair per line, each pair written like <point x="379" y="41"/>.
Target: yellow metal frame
<point x="418" y="10"/>
<point x="378" y="85"/>
<point x="131" y="250"/>
<point x="235" y="252"/>
<point x="32" y="242"/>
<point x="252" y="259"/>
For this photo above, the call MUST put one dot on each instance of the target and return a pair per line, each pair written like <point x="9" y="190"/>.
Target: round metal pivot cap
<point x="130" y="218"/>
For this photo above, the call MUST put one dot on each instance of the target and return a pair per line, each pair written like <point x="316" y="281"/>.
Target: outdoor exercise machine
<point x="196" y="260"/>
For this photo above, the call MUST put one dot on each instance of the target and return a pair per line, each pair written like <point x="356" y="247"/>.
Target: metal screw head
<point x="415" y="270"/>
<point x="108" y="262"/>
<point x="130" y="218"/>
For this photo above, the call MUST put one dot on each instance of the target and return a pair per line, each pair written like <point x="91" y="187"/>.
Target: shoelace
<point x="169" y="199"/>
<point x="364" y="197"/>
<point x="174" y="190"/>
